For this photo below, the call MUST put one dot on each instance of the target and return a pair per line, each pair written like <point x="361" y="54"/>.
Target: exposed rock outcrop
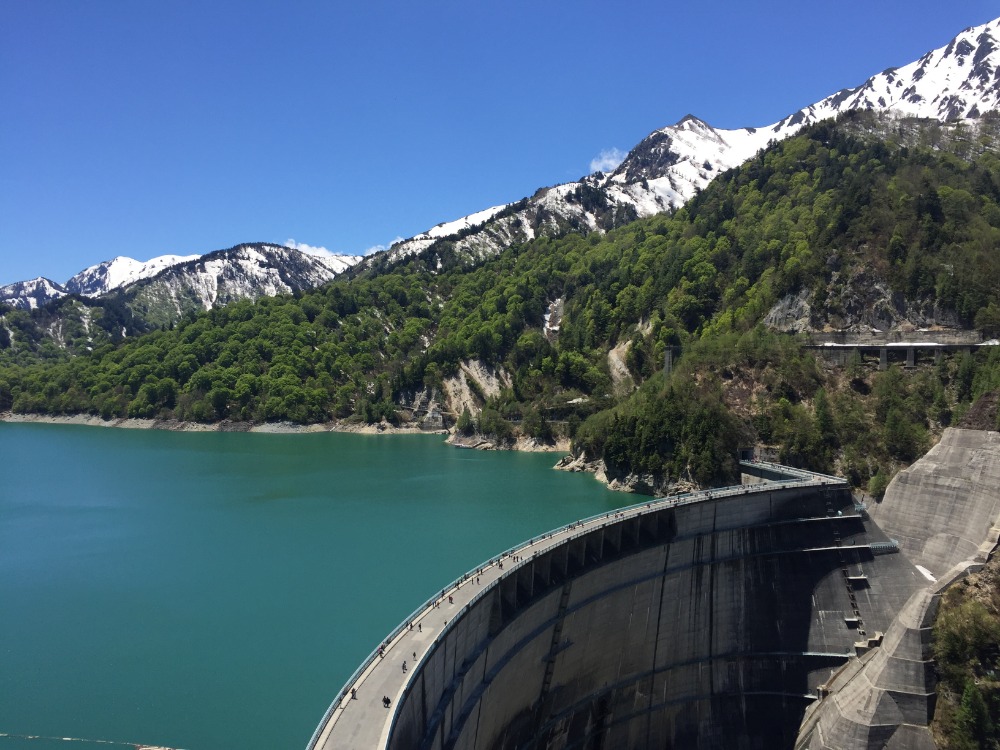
<point x="858" y="304"/>
<point x="655" y="485"/>
<point x="474" y="383"/>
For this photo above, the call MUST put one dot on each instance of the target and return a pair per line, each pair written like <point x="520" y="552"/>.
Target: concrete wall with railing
<point x="789" y="484"/>
<point x="691" y="624"/>
<point x="709" y="619"/>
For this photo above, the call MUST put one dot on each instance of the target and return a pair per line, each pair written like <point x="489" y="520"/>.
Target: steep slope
<point x="958" y="81"/>
<point x="190" y="282"/>
<point x="29" y="295"/>
<point x="944" y="511"/>
<point x="527" y="338"/>
<point x="247" y="271"/>
<point x="119" y="272"/>
<point x="94" y="281"/>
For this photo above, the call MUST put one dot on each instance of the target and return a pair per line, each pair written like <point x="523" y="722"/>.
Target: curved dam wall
<point x="701" y="625"/>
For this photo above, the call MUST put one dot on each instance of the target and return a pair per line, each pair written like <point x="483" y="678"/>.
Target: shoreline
<point x="274" y="428"/>
<point x="173" y="425"/>
<point x="646" y="485"/>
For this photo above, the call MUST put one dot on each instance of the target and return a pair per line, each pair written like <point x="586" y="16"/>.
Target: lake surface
<point x="211" y="591"/>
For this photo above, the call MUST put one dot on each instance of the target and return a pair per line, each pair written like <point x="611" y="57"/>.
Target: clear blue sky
<point x="142" y="127"/>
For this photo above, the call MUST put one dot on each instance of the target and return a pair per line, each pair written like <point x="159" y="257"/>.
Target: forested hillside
<point x="577" y="327"/>
<point x="967" y="654"/>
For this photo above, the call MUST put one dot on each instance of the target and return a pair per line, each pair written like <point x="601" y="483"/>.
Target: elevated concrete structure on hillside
<point x="895" y="346"/>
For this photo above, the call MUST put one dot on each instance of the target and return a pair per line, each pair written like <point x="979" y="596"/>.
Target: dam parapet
<point x="703" y="620"/>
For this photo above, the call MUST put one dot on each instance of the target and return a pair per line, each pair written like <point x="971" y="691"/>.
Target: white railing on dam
<point x="494" y="569"/>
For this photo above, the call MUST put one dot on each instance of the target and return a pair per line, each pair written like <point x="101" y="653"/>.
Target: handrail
<point x="586" y="526"/>
<point x="791" y="470"/>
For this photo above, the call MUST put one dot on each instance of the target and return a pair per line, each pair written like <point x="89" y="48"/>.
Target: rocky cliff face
<point x="863" y="304"/>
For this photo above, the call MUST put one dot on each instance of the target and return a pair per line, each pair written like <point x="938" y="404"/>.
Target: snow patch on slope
<point x="118" y="272"/>
<point x="446" y="229"/>
<point x="28" y="295"/>
<point x="666" y="169"/>
<point x="338" y="263"/>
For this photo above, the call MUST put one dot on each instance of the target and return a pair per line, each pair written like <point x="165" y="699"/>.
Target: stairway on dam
<point x="715" y="619"/>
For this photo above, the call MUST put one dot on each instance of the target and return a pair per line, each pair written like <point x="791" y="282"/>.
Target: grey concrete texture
<point x="769" y="616"/>
<point x="944" y="510"/>
<point x="705" y="635"/>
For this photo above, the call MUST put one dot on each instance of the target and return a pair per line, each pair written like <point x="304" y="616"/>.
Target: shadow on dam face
<point x="705" y="625"/>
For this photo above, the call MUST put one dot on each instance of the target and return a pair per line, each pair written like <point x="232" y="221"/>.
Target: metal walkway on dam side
<point x="358" y="717"/>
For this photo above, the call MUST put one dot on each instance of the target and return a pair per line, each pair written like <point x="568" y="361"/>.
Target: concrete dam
<point x="757" y="616"/>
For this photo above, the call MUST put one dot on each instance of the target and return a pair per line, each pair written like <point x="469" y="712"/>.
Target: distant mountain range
<point x="164" y="288"/>
<point x="960" y="81"/>
<point x="119" y="272"/>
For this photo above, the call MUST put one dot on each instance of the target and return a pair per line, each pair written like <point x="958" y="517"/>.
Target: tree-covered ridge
<point x="967" y="657"/>
<point x="828" y="212"/>
<point x="68" y="326"/>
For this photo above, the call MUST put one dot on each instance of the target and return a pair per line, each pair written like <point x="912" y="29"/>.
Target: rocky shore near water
<point x="523" y="444"/>
<point x="173" y="425"/>
<point x="655" y="485"/>
<point x="645" y="485"/>
<point x="478" y="442"/>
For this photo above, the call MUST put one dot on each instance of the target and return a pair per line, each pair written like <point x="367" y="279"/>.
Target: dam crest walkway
<point x="359" y="718"/>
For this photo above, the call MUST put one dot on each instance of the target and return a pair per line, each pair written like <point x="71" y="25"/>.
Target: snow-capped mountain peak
<point x="958" y="81"/>
<point x="118" y="272"/>
<point x="175" y="283"/>
<point x="27" y="295"/>
<point x="245" y="271"/>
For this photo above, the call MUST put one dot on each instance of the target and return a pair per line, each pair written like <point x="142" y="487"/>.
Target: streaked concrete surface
<point x="714" y="619"/>
<point x="945" y="512"/>
<point x="524" y="633"/>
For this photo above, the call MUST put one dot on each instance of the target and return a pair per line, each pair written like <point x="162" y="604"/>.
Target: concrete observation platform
<point x="651" y="625"/>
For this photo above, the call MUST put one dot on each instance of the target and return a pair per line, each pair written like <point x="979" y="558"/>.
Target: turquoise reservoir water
<point x="213" y="591"/>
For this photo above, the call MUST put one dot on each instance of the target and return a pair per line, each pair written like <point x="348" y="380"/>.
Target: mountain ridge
<point x="672" y="164"/>
<point x="277" y="269"/>
<point x="959" y="81"/>
<point x="574" y="331"/>
<point x="244" y="271"/>
<point x="120" y="271"/>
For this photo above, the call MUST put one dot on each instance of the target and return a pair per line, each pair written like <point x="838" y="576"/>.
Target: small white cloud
<point x="607" y="161"/>
<point x="379" y="248"/>
<point x="308" y="249"/>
